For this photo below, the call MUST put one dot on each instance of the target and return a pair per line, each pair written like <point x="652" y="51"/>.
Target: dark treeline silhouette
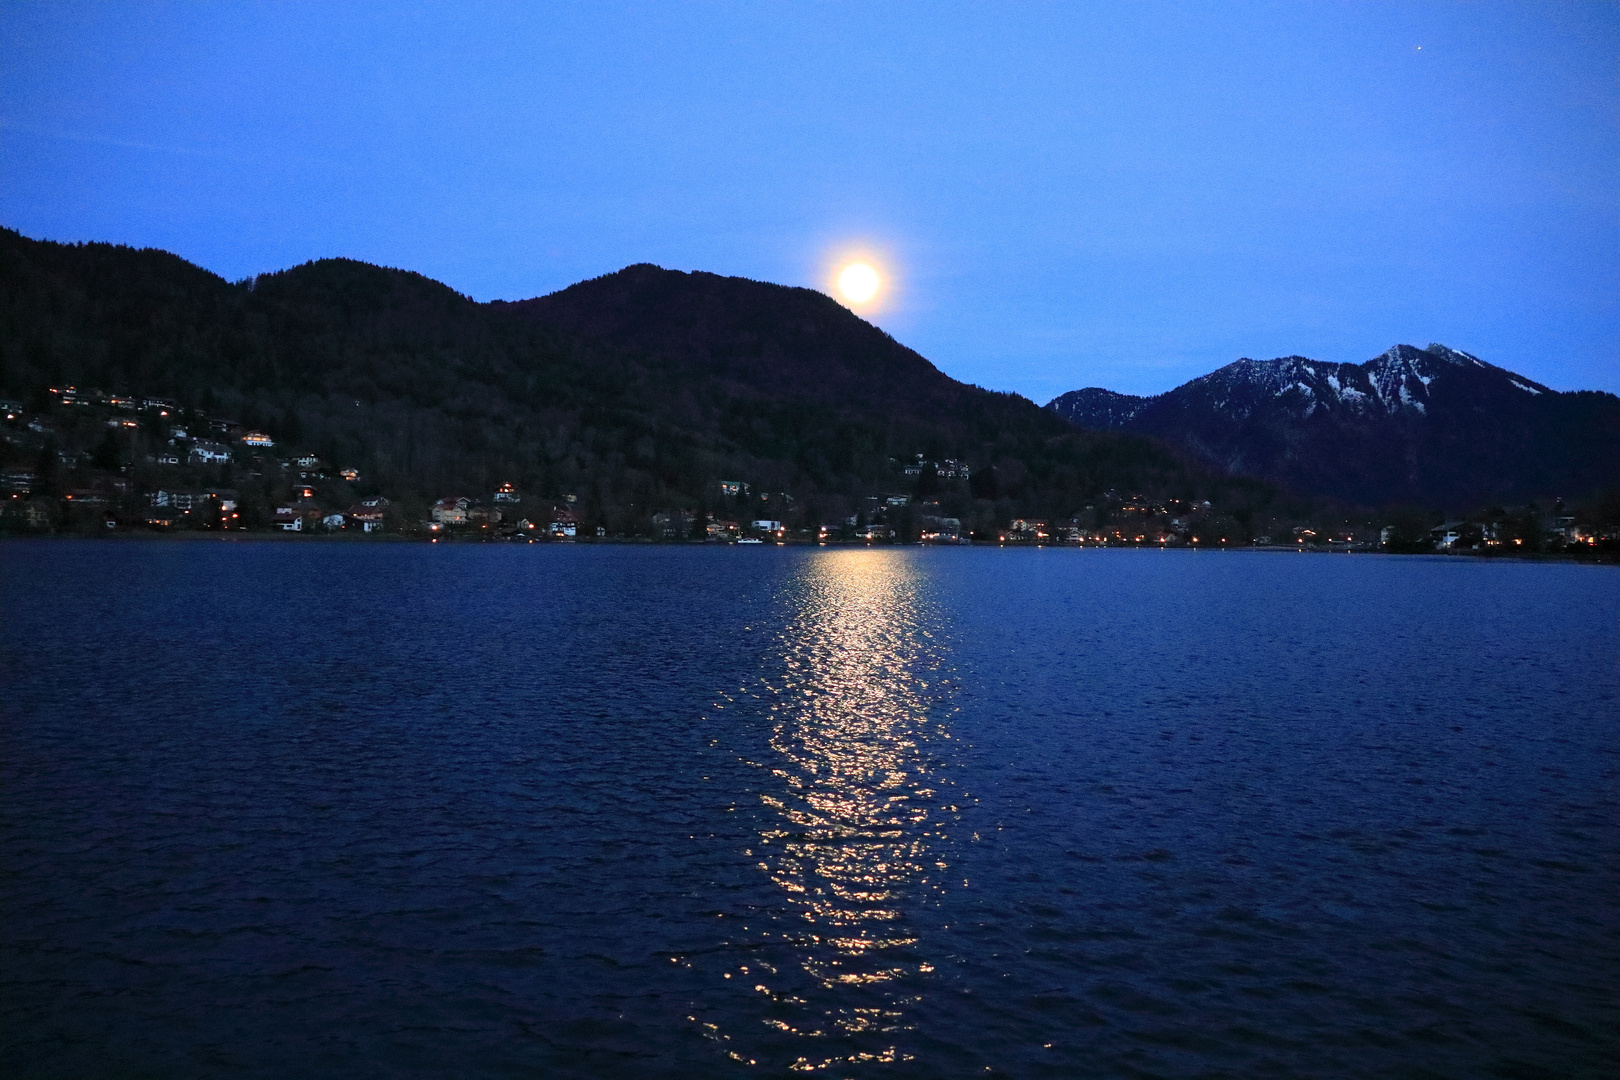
<point x="636" y="392"/>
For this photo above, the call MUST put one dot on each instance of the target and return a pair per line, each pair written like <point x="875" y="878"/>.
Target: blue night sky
<point x="1124" y="195"/>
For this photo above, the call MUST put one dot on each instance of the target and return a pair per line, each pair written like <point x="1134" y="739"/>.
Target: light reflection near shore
<point x="859" y="803"/>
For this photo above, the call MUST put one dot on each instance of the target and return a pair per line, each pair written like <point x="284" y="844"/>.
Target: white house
<point x="564" y="525"/>
<point x="366" y="515"/>
<point x="1446" y="536"/>
<point x="451" y="511"/>
<point x="180" y="500"/>
<point x="209" y="453"/>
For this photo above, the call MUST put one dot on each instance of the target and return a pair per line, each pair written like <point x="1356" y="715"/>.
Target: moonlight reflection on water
<point x="860" y="805"/>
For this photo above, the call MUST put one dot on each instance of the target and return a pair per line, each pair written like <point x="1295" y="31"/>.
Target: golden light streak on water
<point x="856" y="806"/>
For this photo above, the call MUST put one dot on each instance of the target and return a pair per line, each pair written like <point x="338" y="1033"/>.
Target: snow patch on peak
<point x="1455" y="356"/>
<point x="1521" y="386"/>
<point x="1408" y="400"/>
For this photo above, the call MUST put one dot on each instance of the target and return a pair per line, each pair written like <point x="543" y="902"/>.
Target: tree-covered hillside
<point x="637" y="392"/>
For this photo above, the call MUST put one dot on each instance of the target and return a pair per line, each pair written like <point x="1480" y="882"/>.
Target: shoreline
<point x="205" y="536"/>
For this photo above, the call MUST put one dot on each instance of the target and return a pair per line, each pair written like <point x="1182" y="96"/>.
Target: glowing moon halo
<point x="859" y="282"/>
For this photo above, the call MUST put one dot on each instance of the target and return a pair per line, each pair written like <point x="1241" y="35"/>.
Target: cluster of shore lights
<point x="1041" y="536"/>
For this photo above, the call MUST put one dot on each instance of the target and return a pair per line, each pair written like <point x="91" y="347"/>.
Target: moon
<point x="859" y="282"/>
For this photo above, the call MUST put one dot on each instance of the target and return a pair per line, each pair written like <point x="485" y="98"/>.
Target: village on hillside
<point x="87" y="462"/>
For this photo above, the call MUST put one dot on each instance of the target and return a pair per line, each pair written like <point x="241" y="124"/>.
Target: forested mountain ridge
<point x="636" y="392"/>
<point x="1432" y="425"/>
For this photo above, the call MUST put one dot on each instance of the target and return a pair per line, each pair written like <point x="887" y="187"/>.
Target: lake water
<point x="331" y="810"/>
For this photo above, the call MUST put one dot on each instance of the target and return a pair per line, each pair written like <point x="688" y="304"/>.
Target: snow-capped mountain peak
<point x="1358" y="430"/>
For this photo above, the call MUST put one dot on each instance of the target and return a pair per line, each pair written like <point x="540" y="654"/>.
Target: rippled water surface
<point x="325" y="810"/>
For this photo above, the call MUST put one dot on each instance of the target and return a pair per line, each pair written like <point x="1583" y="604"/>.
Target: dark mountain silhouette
<point x="1431" y="425"/>
<point x="636" y="391"/>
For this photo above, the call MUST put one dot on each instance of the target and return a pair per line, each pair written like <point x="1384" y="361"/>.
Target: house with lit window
<point x="179" y="500"/>
<point x="18" y="480"/>
<point x="564" y="525"/>
<point x="451" y="511"/>
<point x="367" y="518"/>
